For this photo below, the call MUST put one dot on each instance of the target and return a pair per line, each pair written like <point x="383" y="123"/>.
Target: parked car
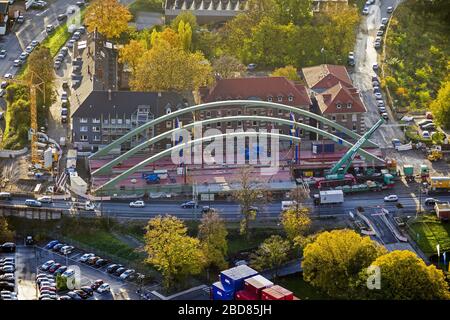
<point x="429" y="126"/>
<point x="68" y="273"/>
<point x="9" y="247"/>
<point x="88" y="290"/>
<point x="378" y="96"/>
<point x="58" y="247"/>
<point x="34" y="43"/>
<point x="65" y="297"/>
<point x="375" y="67"/>
<point x="47" y="265"/>
<point x="426" y="134"/>
<point x="61" y="270"/>
<point x="100" y="263"/>
<point x="51" y="244"/>
<point x="71" y="43"/>
<point x="47" y="288"/>
<point x="390" y="9"/>
<point x="113" y="267"/>
<point x="7" y="269"/>
<point x="391" y="198"/>
<point x="54" y="267"/>
<point x="424" y="122"/>
<point x="384" y="21"/>
<point x="104" y="288"/>
<point x="8" y="277"/>
<point x="381" y="110"/>
<point x="67" y="250"/>
<point x="119" y="271"/>
<point x="32" y="203"/>
<point x="49" y="28"/>
<point x="62" y="17"/>
<point x="127" y="273"/>
<point x="137" y="204"/>
<point x="251" y="67"/>
<point x="380" y="33"/>
<point x="83" y="295"/>
<point x="20" y="19"/>
<point x="57" y="64"/>
<point x="385" y="116"/>
<point x="92" y="260"/>
<point x="189" y="204"/>
<point x="3" y="54"/>
<point x="5" y="196"/>
<point x="365" y="10"/>
<point x="73" y="295"/>
<point x="97" y="284"/>
<point x="431" y="201"/>
<point x="4" y="285"/>
<point x="8" y="76"/>
<point x="351" y="59"/>
<point x="85" y="257"/>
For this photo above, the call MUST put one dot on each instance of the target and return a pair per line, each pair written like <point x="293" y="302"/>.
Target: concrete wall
<point x="12" y="153"/>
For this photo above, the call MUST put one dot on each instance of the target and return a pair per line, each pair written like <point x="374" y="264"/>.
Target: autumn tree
<point x="166" y="67"/>
<point x="440" y="107"/>
<point x="228" y="67"/>
<point x="109" y="17"/>
<point x="333" y="262"/>
<point x="248" y="193"/>
<point x="187" y="17"/>
<point x="6" y="234"/>
<point x="294" y="11"/>
<point x="131" y="54"/>
<point x="296" y="219"/>
<point x="271" y="254"/>
<point x="213" y="239"/>
<point x="404" y="276"/>
<point x="289" y="72"/>
<point x="171" y="250"/>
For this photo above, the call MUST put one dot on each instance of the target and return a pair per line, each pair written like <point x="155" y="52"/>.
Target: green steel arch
<point x="107" y="167"/>
<point x="166" y="152"/>
<point x="246" y="103"/>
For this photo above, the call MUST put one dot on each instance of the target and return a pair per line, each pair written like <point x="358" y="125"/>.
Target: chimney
<point x="109" y="94"/>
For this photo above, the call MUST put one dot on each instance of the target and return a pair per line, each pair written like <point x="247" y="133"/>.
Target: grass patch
<point x="57" y="40"/>
<point x="428" y="231"/>
<point x="146" y="5"/>
<point x="301" y="288"/>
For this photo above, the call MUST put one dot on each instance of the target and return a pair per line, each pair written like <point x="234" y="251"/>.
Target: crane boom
<point x="337" y="171"/>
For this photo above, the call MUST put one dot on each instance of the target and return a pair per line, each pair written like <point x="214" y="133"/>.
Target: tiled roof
<point x="260" y="88"/>
<point x="325" y="76"/>
<point x="340" y="95"/>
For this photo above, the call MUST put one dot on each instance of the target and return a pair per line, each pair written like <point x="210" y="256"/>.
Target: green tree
<point x="185" y="33"/>
<point x="6" y="234"/>
<point x="335" y="259"/>
<point x="109" y="17"/>
<point x="271" y="254"/>
<point x="213" y="238"/>
<point x="298" y="12"/>
<point x="296" y="222"/>
<point x="440" y="107"/>
<point x="228" y="67"/>
<point x="404" y="276"/>
<point x="171" y="250"/>
<point x="289" y="72"/>
<point x="186" y="17"/>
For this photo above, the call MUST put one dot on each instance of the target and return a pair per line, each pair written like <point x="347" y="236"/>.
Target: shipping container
<point x="319" y="147"/>
<point x="220" y="293"/>
<point x="287" y="295"/>
<point x="245" y="295"/>
<point x="234" y="278"/>
<point x="270" y="294"/>
<point x="256" y="284"/>
<point x="408" y="170"/>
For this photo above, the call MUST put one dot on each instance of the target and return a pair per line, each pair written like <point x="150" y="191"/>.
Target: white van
<point x="287" y="204"/>
<point x="5" y="196"/>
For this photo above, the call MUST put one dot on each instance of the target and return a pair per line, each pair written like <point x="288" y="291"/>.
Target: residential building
<point x="206" y="11"/>
<point x="104" y="116"/>
<point x="335" y="97"/>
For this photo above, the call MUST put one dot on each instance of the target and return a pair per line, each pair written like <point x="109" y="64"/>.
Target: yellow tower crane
<point x="35" y="157"/>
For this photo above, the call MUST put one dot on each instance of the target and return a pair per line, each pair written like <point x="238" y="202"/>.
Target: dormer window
<point x="349" y="105"/>
<point x="280" y="98"/>
<point x="338" y="106"/>
<point x="269" y="98"/>
<point x="291" y="98"/>
<point x="168" y="111"/>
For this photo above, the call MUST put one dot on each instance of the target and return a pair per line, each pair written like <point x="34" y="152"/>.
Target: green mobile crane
<point x="338" y="171"/>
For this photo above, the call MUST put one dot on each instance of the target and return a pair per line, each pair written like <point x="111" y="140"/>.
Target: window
<point x="354" y="127"/>
<point x="229" y="114"/>
<point x="128" y="121"/>
<point x="255" y="123"/>
<point x="280" y="112"/>
<point x="229" y="123"/>
<point x="344" y="117"/>
<point x="119" y="121"/>
<point x="354" y="117"/>
<point x="95" y="129"/>
<point x="219" y="124"/>
<point x="333" y="129"/>
<point x="349" y="105"/>
<point x="239" y="112"/>
<point x="239" y="123"/>
<point x="113" y="121"/>
<point x="83" y="137"/>
<point x="96" y="138"/>
<point x="338" y="106"/>
<point x="208" y="126"/>
<point x="168" y="124"/>
<point x="291" y="98"/>
<point x="168" y="111"/>
<point x="95" y="120"/>
<point x="333" y="118"/>
<point x="83" y="120"/>
<point x="255" y="112"/>
<point x="84" y="129"/>
<point x="105" y="121"/>
<point x="280" y="98"/>
<point x="208" y="114"/>
<point x="270" y="99"/>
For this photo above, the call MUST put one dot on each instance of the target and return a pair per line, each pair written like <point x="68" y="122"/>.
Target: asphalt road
<point x="365" y="57"/>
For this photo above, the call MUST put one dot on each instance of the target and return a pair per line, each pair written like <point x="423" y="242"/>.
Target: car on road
<point x="431" y="201"/>
<point x="105" y="287"/>
<point x="33" y="203"/>
<point x="3" y="54"/>
<point x="62" y="17"/>
<point x="85" y="257"/>
<point x="51" y="244"/>
<point x="49" y="28"/>
<point x="391" y="198"/>
<point x="45" y="199"/>
<point x="137" y="204"/>
<point x="20" y="19"/>
<point x="97" y="284"/>
<point x="375" y="67"/>
<point x="47" y="265"/>
<point x="426" y="134"/>
<point x="67" y="250"/>
<point x="113" y="267"/>
<point x="68" y="273"/>
<point x="351" y="58"/>
<point x="127" y="273"/>
<point x="119" y="271"/>
<point x="73" y="295"/>
<point x="189" y="204"/>
<point x="389" y="9"/>
<point x="8" y="76"/>
<point x="54" y="267"/>
<point x="61" y="270"/>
